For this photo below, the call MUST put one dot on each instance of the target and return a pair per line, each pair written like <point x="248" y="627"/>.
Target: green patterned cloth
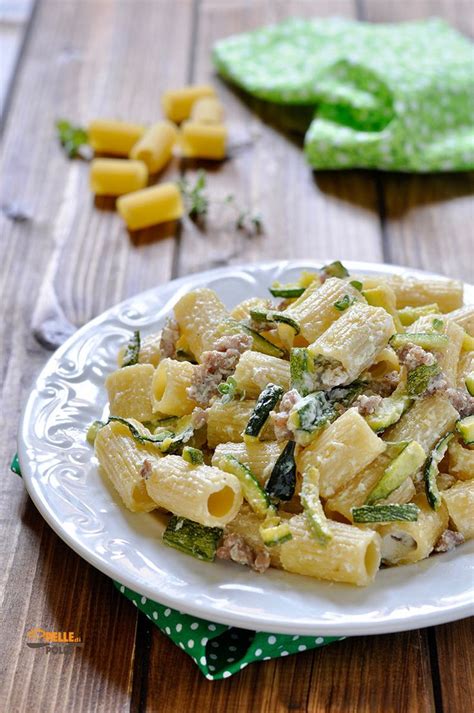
<point x="218" y="650"/>
<point x="394" y="97"/>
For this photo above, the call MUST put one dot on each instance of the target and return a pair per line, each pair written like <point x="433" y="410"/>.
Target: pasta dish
<point x="326" y="430"/>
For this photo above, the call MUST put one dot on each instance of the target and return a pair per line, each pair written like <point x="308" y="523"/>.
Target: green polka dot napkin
<point x="219" y="650"/>
<point x="394" y="97"/>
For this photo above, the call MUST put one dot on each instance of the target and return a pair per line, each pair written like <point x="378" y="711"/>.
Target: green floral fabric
<point x="220" y="650"/>
<point x="394" y="97"/>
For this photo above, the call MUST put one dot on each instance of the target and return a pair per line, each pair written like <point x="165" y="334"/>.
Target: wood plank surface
<point x="87" y="58"/>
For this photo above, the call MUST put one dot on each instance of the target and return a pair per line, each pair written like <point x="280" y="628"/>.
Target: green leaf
<point x="71" y="137"/>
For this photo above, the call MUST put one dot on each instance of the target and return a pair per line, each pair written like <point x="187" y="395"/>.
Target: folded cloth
<point x="218" y="650"/>
<point x="394" y="97"/>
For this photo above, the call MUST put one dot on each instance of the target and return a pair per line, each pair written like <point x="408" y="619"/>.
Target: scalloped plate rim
<point x="407" y="618"/>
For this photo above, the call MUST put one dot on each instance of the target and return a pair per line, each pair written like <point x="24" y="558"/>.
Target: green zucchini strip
<point x="132" y="352"/>
<point x="344" y="303"/>
<point x="282" y="481"/>
<point x="261" y="315"/>
<point x="407" y="512"/>
<point x="167" y="441"/>
<point x="301" y="370"/>
<point x="289" y="291"/>
<point x="388" y="412"/>
<point x="420" y="339"/>
<point x="409" y="315"/>
<point x="465" y="428"/>
<point x="254" y="494"/>
<point x="469" y="381"/>
<point x="432" y="469"/>
<point x="419" y="378"/>
<point x="193" y="455"/>
<point x="335" y="269"/>
<point x="403" y="466"/>
<point x="192" y="538"/>
<point x="309" y="416"/>
<point x="260" y="344"/>
<point x="274" y="530"/>
<point x="316" y="519"/>
<point x="266" y="402"/>
<point x="93" y="430"/>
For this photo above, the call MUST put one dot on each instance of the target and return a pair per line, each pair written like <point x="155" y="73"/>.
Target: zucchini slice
<point x="192" y="538"/>
<point x="289" y="291"/>
<point x="335" y="269"/>
<point x="282" y="481"/>
<point x="409" y="315"/>
<point x="261" y="315"/>
<point x="93" y="430"/>
<point x="465" y="428"/>
<point x="419" y="378"/>
<point x="309" y="416"/>
<point x="266" y="402"/>
<point x="407" y="512"/>
<point x="274" y="530"/>
<point x="345" y="302"/>
<point x="388" y="412"/>
<point x="420" y="339"/>
<point x="468" y="343"/>
<point x="431" y="471"/>
<point x="317" y="521"/>
<point x="193" y="455"/>
<point x="469" y="381"/>
<point x="301" y="370"/>
<point x="403" y="466"/>
<point x="132" y="352"/>
<point x="167" y="441"/>
<point x="260" y="344"/>
<point x="254" y="494"/>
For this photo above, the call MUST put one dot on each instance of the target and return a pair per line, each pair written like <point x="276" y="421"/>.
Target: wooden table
<point x="86" y="58"/>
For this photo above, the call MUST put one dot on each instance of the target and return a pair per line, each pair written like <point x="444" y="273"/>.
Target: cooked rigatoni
<point x="254" y="371"/>
<point x="352" y="555"/>
<point x="460" y="503"/>
<point x="341" y="451"/>
<point x="350" y="345"/>
<point x="200" y="493"/>
<point x="169" y="387"/>
<point x="413" y="292"/>
<point x="121" y="458"/>
<point x="461" y="461"/>
<point x="227" y="422"/>
<point x="315" y="310"/>
<point x="200" y="314"/>
<point x="129" y="391"/>
<point x="259" y="456"/>
<point x="405" y="542"/>
<point x="464" y="317"/>
<point x="426" y="422"/>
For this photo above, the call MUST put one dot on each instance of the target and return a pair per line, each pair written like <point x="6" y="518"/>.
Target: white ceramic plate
<point x="61" y="475"/>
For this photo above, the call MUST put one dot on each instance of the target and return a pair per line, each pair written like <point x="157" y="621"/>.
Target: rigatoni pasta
<point x="321" y="435"/>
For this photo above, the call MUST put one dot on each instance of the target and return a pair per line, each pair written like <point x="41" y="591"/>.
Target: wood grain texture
<point x="114" y="57"/>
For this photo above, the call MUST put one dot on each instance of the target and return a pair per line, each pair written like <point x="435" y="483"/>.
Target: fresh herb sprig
<point x="196" y="201"/>
<point x="73" y="139"/>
